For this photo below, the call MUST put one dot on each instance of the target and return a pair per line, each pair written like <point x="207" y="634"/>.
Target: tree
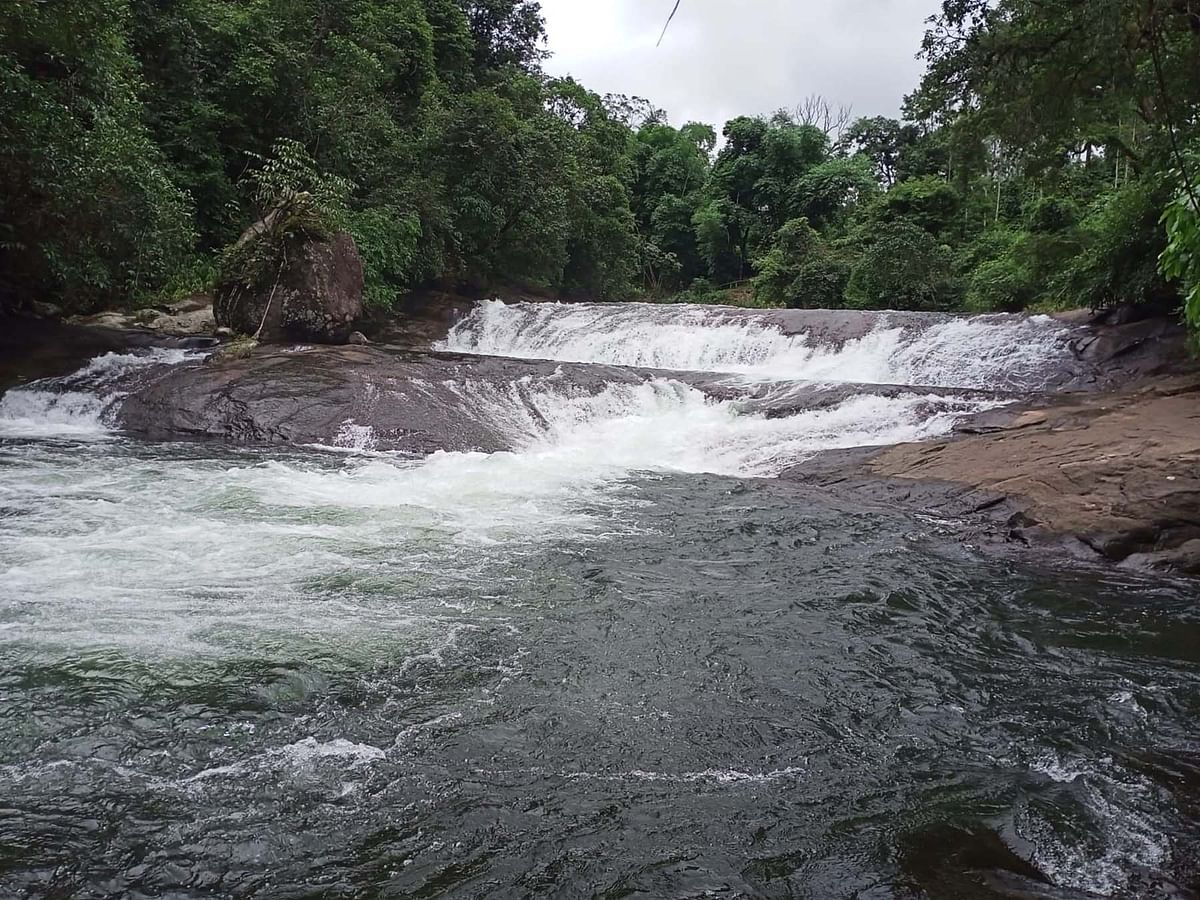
<point x="506" y="33"/>
<point x="882" y="141"/>
<point x="508" y="215"/>
<point x="88" y="212"/>
<point x="800" y="270"/>
<point x="830" y="190"/>
<point x="1180" y="261"/>
<point x="1032" y="166"/>
<point x="904" y="267"/>
<point x="815" y="111"/>
<point x="927" y="202"/>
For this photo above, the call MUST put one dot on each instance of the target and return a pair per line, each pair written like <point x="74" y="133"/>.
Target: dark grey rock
<point x="317" y="296"/>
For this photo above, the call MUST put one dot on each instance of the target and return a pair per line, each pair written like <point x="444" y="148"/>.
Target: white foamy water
<point x="48" y="414"/>
<point x="114" y="552"/>
<point x="77" y="406"/>
<point x="663" y="425"/>
<point x="993" y="352"/>
<point x="1117" y="808"/>
<point x="164" y="549"/>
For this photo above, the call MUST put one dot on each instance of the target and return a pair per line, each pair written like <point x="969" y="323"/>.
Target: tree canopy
<point x="1049" y="157"/>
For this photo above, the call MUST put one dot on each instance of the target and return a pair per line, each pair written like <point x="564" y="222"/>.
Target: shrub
<point x="801" y="271"/>
<point x="1180" y="260"/>
<point x="820" y="283"/>
<point x="1121" y="240"/>
<point x="999" y="285"/>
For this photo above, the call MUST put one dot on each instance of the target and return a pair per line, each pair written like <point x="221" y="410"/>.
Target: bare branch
<point x="817" y="112"/>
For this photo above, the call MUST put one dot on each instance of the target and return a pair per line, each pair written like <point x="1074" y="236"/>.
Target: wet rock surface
<point x="40" y="348"/>
<point x="1113" y="476"/>
<point x="1096" y="472"/>
<point x="1106" y="356"/>
<point x="410" y="401"/>
<point x="1071" y="352"/>
<point x="418" y="402"/>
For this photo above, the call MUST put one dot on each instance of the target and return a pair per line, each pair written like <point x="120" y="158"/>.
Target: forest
<point x="1050" y="158"/>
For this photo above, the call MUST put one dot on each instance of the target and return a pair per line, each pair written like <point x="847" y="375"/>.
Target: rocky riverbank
<point x="1112" y="476"/>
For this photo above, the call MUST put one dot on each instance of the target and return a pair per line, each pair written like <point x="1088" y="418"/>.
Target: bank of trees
<point x="131" y="130"/>
<point x="1033" y="166"/>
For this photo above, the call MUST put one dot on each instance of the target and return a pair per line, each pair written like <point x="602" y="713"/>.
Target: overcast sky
<point x="723" y="58"/>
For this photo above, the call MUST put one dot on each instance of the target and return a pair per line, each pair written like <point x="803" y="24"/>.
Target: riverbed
<point x="615" y="658"/>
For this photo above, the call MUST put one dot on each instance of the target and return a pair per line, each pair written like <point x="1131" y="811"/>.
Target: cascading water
<point x="614" y="658"/>
<point x="572" y="453"/>
<point x="664" y="425"/>
<point x="77" y="405"/>
<point x="990" y="353"/>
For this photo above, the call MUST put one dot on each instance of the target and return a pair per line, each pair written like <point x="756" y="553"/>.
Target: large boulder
<point x="312" y="290"/>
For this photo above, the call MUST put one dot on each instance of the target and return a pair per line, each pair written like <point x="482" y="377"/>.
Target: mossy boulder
<point x="295" y="286"/>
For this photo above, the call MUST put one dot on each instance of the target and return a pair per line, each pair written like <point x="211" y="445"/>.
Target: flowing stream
<point x="618" y="659"/>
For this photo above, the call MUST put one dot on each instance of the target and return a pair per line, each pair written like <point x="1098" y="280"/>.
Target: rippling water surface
<point x="609" y="663"/>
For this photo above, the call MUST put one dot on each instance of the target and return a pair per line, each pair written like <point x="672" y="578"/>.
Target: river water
<point x="616" y="660"/>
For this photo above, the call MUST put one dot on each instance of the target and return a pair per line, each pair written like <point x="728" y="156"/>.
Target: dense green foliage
<point x="1181" y="259"/>
<point x="1044" y="161"/>
<point x="133" y="132"/>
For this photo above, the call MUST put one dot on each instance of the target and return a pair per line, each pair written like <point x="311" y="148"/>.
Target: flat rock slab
<point x="359" y="396"/>
<point x="1116" y="476"/>
<point x="327" y="395"/>
<point x="45" y="348"/>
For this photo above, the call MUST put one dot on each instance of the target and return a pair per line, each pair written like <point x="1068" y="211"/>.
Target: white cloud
<point x="721" y="59"/>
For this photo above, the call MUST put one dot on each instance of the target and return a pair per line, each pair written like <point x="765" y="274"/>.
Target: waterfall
<point x="78" y="406"/>
<point x="564" y="438"/>
<point x="666" y="426"/>
<point x="559" y="435"/>
<point x="985" y="352"/>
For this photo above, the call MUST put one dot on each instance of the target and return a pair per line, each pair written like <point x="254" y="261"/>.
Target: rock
<point x="45" y="348"/>
<point x="414" y="402"/>
<point x="1126" y="351"/>
<point x="193" y="304"/>
<point x="224" y="332"/>
<point x="315" y="294"/>
<point x="191" y="318"/>
<point x="1000" y="420"/>
<point x="358" y="339"/>
<point x="1114" y="477"/>
<point x="422" y="318"/>
<point x="110" y="319"/>
<point x="194" y="321"/>
<point x="952" y="858"/>
<point x="1184" y="559"/>
<point x="238" y="348"/>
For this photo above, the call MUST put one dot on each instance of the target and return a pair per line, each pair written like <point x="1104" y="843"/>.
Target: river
<point x="617" y="659"/>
